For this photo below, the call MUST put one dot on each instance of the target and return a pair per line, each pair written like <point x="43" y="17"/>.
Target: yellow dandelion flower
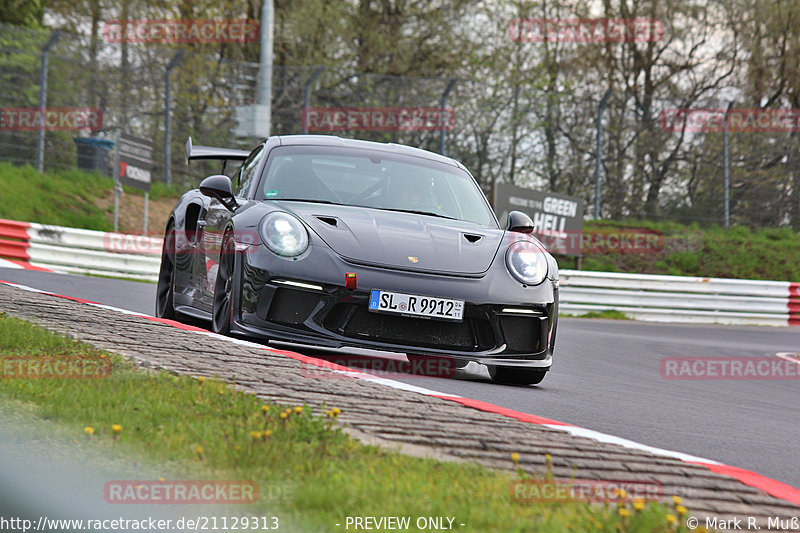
<point x="336" y="411"/>
<point x="677" y="500"/>
<point x="671" y="518"/>
<point x="237" y="447"/>
<point x="199" y="450"/>
<point x="116" y="428"/>
<point x="267" y="433"/>
<point x="201" y="379"/>
<point x="88" y="430"/>
<point x="638" y="504"/>
<point x="328" y="413"/>
<point x="221" y="392"/>
<point x="255" y="434"/>
<point x="265" y="408"/>
<point x="298" y="409"/>
<point x="681" y="509"/>
<point x="624" y="512"/>
<point x="515" y="457"/>
<point x="620" y="493"/>
<point x="284" y="415"/>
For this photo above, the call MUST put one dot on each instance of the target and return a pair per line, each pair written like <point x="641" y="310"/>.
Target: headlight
<point x="527" y="262"/>
<point x="284" y="234"/>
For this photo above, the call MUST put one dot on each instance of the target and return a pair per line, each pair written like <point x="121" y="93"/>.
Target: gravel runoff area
<point x="374" y="413"/>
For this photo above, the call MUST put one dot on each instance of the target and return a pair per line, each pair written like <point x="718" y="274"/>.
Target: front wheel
<point x="514" y="375"/>
<point x="223" y="289"/>
<point x="165" y="290"/>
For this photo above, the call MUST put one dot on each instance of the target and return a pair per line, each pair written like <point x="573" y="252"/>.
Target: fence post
<point x="264" y="88"/>
<point x="307" y="94"/>
<point x="598" y="153"/>
<point x="168" y="116"/>
<point x="43" y="98"/>
<point x="442" y="106"/>
<point x="725" y="162"/>
<point x="117" y="184"/>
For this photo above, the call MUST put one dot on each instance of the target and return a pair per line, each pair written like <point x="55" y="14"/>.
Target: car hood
<point x="401" y="240"/>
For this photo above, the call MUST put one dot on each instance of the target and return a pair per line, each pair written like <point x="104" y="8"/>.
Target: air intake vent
<point x="328" y="220"/>
<point x="472" y="239"/>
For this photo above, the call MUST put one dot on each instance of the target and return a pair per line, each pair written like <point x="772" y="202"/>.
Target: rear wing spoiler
<point x="210" y="152"/>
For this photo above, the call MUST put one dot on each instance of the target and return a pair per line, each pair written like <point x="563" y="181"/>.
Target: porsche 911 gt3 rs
<point x="344" y="243"/>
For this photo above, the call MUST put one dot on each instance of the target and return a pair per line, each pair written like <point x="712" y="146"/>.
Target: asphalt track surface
<point x="606" y="377"/>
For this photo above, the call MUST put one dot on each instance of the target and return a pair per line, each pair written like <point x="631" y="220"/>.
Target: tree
<point x="29" y="13"/>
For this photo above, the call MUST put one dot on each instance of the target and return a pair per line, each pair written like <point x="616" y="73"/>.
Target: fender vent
<point x="327" y="220"/>
<point x="193" y="212"/>
<point x="472" y="239"/>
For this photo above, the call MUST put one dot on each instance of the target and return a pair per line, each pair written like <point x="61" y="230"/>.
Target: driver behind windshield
<point x="411" y="192"/>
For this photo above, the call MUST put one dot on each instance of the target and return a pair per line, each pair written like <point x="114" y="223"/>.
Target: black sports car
<point x="336" y="242"/>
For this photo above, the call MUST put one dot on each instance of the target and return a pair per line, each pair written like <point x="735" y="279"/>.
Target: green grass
<point x="62" y="198"/>
<point x="165" y="418"/>
<point x="740" y="252"/>
<point x="611" y="314"/>
<point x="158" y="190"/>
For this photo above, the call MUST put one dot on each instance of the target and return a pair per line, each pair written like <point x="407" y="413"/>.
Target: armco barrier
<point x="639" y="296"/>
<point x="681" y="298"/>
<point x="80" y="251"/>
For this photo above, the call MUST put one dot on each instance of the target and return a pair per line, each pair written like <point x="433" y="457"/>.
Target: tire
<point x="222" y="308"/>
<point x="165" y="290"/>
<point x="512" y="375"/>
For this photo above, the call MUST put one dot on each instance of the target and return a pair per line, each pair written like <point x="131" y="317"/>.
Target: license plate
<point x="414" y="305"/>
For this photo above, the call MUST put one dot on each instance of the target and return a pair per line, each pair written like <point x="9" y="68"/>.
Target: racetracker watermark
<point x="149" y="31"/>
<point x="52" y="119"/>
<point x="75" y="367"/>
<point x="729" y="368"/>
<point x="423" y="367"/>
<point x="741" y="120"/>
<point x="584" y="490"/>
<point x="181" y="492"/>
<point x="601" y="30"/>
<point x="602" y="241"/>
<point x="378" y="118"/>
<point x="184" y="240"/>
<point x="134" y="244"/>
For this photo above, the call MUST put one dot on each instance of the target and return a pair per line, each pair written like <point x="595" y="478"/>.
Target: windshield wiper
<point x="417" y="212"/>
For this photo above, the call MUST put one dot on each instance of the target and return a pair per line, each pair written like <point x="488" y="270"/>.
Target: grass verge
<point x="688" y="250"/>
<point x="211" y="431"/>
<point x="611" y="314"/>
<point x="61" y="198"/>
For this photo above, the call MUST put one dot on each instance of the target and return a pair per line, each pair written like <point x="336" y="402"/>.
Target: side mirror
<point x="219" y="186"/>
<point x="519" y="222"/>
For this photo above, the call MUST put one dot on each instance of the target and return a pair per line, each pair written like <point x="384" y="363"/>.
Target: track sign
<point x="555" y="216"/>
<point x="135" y="162"/>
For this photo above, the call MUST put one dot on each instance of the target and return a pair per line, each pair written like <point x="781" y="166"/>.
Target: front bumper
<point x="304" y="300"/>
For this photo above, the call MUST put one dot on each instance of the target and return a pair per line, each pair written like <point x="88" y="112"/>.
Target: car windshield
<point x="374" y="179"/>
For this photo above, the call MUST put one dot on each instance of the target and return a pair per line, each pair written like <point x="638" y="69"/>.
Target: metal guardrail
<point x="681" y="298"/>
<point x="639" y="296"/>
<point x="71" y="250"/>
